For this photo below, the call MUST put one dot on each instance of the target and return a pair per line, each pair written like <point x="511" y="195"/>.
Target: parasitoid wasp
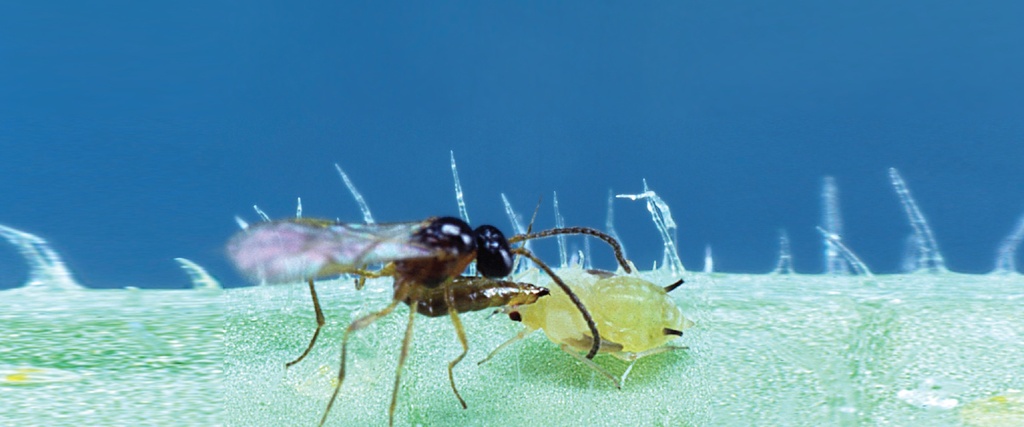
<point x="426" y="260"/>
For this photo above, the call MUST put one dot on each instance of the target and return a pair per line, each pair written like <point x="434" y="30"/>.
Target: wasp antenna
<point x="529" y="229"/>
<point x="675" y="332"/>
<point x="578" y="230"/>
<point x="572" y="297"/>
<point x="673" y="286"/>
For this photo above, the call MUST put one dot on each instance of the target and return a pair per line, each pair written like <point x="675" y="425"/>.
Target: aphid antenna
<point x="854" y="260"/>
<point x="832" y="222"/>
<point x="517" y="225"/>
<point x="298" y="208"/>
<point x="46" y="269"/>
<point x="200" y="278"/>
<point x="709" y="262"/>
<point x="260" y="212"/>
<point x="461" y="202"/>
<point x="572" y="297"/>
<point x="785" y="262"/>
<point x="609" y="222"/>
<point x="363" y="207"/>
<point x="560" y="223"/>
<point x="930" y="259"/>
<point x="1006" y="256"/>
<point x="662" y="217"/>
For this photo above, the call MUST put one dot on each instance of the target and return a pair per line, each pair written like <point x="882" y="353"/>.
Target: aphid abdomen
<point x="631" y="313"/>
<point x="473" y="294"/>
<point x="634" y="312"/>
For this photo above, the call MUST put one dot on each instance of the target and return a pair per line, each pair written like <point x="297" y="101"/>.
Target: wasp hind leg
<point x="356" y="325"/>
<point x="319" y="325"/>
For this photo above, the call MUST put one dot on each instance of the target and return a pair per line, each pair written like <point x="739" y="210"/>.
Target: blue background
<point x="132" y="132"/>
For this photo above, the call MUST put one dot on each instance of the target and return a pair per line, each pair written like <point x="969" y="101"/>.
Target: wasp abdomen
<point x="471" y="294"/>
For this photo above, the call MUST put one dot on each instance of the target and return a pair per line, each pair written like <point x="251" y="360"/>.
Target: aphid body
<point x="635" y="317"/>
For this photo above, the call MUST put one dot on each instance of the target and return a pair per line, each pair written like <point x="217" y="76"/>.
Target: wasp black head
<point x="493" y="256"/>
<point x="450" y="234"/>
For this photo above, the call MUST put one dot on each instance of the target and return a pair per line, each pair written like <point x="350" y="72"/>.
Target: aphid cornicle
<point x="635" y="317"/>
<point x="425" y="259"/>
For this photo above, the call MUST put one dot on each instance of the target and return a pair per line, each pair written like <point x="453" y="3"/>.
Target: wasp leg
<point x="401" y="361"/>
<point x="387" y="270"/>
<point x="450" y="297"/>
<point x="319" y="324"/>
<point x="522" y="334"/>
<point x="356" y="325"/>
<point x="338" y="269"/>
<point x="592" y="365"/>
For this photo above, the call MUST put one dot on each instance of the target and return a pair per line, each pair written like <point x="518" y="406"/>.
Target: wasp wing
<point x="303" y="248"/>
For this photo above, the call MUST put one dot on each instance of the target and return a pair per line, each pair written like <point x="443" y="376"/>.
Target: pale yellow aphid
<point x="635" y="317"/>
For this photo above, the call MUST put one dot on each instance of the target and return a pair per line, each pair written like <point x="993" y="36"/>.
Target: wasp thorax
<point x="448" y="233"/>
<point x="493" y="256"/>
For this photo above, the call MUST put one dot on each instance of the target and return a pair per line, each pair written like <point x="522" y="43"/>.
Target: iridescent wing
<point x="304" y="248"/>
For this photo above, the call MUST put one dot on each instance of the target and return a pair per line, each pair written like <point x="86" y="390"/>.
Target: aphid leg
<point x="522" y="334"/>
<point x="356" y="325"/>
<point x="633" y="357"/>
<point x="401" y="362"/>
<point x="572" y="297"/>
<point x="592" y="365"/>
<point x="450" y="298"/>
<point x="319" y="324"/>
<point x="629" y="357"/>
<point x="622" y="380"/>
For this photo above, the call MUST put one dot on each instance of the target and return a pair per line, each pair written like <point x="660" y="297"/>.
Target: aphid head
<point x="493" y="256"/>
<point x="448" y="233"/>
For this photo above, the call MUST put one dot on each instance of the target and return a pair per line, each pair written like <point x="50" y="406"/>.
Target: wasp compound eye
<point x="493" y="256"/>
<point x="448" y="233"/>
